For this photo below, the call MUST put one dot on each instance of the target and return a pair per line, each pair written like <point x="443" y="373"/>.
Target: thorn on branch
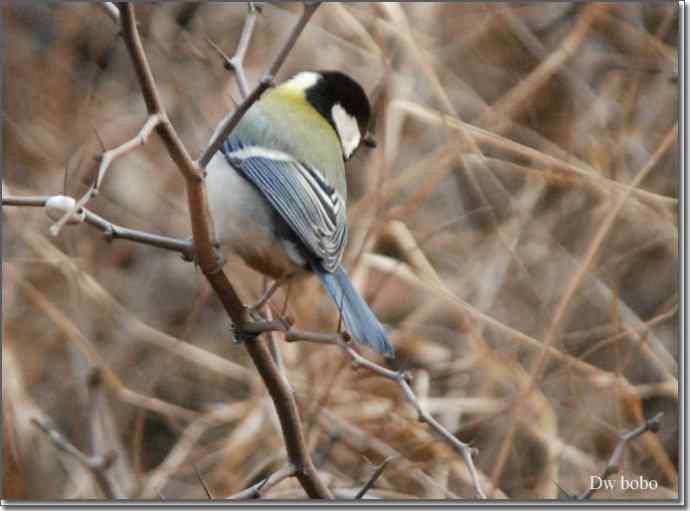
<point x="227" y="64"/>
<point x="255" y="491"/>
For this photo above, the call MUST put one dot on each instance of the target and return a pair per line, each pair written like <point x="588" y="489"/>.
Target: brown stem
<point x="196" y="196"/>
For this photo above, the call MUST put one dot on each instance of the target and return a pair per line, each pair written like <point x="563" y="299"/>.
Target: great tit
<point x="277" y="191"/>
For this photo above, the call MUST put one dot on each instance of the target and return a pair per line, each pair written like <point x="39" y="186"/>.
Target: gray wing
<point x="298" y="192"/>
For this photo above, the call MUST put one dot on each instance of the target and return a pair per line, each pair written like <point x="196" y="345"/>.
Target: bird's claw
<point x="240" y="333"/>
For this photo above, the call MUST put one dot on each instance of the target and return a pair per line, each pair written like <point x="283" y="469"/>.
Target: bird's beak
<point x="368" y="139"/>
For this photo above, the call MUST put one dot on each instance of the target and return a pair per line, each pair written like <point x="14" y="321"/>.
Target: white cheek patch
<point x="347" y="128"/>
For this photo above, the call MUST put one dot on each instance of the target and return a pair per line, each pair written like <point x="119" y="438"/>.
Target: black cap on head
<point x="336" y="88"/>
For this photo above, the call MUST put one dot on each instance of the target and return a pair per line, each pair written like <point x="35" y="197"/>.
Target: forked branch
<point x="401" y="378"/>
<point x="106" y="159"/>
<point x="204" y="251"/>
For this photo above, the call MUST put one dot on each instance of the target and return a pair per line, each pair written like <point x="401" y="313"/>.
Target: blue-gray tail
<point x="359" y="321"/>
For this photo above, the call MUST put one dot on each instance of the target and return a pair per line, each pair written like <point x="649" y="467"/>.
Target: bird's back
<point x="278" y="123"/>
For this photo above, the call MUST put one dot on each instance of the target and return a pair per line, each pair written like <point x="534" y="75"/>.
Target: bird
<point x="277" y="189"/>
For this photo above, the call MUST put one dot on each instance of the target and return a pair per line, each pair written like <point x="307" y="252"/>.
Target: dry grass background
<point x="537" y="311"/>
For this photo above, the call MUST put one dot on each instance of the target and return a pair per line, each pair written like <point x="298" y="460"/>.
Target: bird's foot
<point x="247" y="331"/>
<point x="268" y="293"/>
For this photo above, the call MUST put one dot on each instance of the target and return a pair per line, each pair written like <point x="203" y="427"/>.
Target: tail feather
<point x="357" y="316"/>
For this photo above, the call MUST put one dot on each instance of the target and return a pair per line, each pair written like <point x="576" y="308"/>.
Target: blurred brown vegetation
<point x="507" y="136"/>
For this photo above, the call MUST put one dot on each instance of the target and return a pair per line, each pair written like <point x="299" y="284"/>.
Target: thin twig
<point x="360" y="440"/>
<point x="269" y="291"/>
<point x="237" y="61"/>
<point x="401" y="378"/>
<point x="113" y="231"/>
<point x="274" y="344"/>
<point x="25" y="201"/>
<point x="231" y="121"/>
<point x="203" y="483"/>
<point x="220" y="52"/>
<point x="96" y="465"/>
<point x="372" y="480"/>
<point x="107" y="158"/>
<point x="464" y="449"/>
<point x="255" y="491"/>
<point x="613" y="465"/>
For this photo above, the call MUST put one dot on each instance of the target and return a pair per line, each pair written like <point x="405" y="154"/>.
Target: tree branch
<point x="401" y="378"/>
<point x="236" y="62"/>
<point x="110" y="230"/>
<point x="205" y="255"/>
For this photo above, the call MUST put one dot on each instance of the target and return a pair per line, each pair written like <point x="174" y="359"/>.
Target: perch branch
<point x="278" y="389"/>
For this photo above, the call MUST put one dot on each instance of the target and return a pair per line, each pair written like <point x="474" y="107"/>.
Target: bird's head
<point x="342" y="102"/>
